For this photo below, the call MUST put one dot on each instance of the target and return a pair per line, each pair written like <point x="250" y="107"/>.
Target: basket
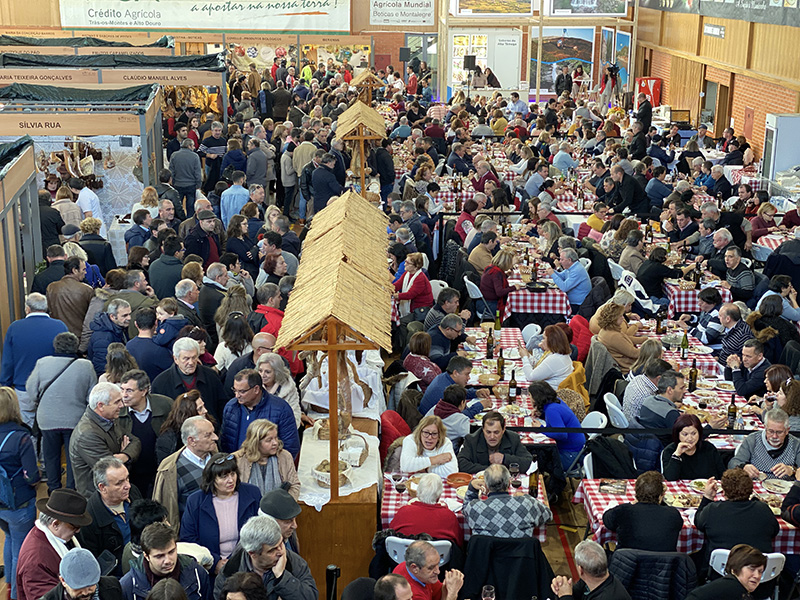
<point x="411" y="485"/>
<point x="500" y="391"/>
<point x="324" y="477"/>
<point x="489" y="379"/>
<point x="354" y="450"/>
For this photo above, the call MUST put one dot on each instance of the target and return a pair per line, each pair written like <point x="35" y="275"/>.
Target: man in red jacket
<point x="421" y="570"/>
<point x="428" y="515"/>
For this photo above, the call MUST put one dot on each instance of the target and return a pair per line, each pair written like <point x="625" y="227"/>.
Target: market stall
<point x="110" y="138"/>
<point x="19" y="231"/>
<point x="339" y="466"/>
<point x="83" y="46"/>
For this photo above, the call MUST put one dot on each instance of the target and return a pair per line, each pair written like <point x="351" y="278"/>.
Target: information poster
<point x="414" y="13"/>
<point x="622" y="56"/>
<point x="561" y="46"/>
<point x="494" y="8"/>
<point x="216" y="15"/>
<point x="582" y="8"/>
<point x="607" y="45"/>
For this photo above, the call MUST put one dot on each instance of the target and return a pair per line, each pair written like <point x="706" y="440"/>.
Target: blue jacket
<point x="27" y="340"/>
<point x="656" y="191"/>
<point x="104" y="332"/>
<point x="435" y="392"/>
<point x="167" y="332"/>
<point x="232" y="201"/>
<point x="237" y="158"/>
<point x="325" y="186"/>
<point x="136" y="236"/>
<point x="574" y="282"/>
<point x="657" y="152"/>
<point x="459" y="164"/>
<point x="193" y="579"/>
<point x="18" y="458"/>
<point x="558" y="414"/>
<point x="705" y="180"/>
<point x="277" y="410"/>
<point x="199" y="523"/>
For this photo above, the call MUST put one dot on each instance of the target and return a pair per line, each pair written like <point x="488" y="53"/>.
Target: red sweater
<point x="420" y="292"/>
<point x="494" y="286"/>
<point x="432" y="591"/>
<point x="478" y="184"/>
<point x="436" y="520"/>
<point x="459" y="228"/>
<point x="760" y="227"/>
<point x="791" y="219"/>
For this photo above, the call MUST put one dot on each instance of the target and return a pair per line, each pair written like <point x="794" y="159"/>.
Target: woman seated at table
<point x="653" y="272"/>
<point x="466" y="220"/>
<point x="782" y="389"/>
<point x="264" y="463"/>
<point x="422" y="178"/>
<point x="397" y="254"/>
<point x="744" y="569"/>
<point x="618" y="242"/>
<point x="494" y="281"/>
<point x="548" y="407"/>
<point x="555" y="365"/>
<point x="618" y="343"/>
<point x="428" y="449"/>
<point x="764" y="221"/>
<point x="624" y="299"/>
<point x="418" y="361"/>
<point x="525" y="154"/>
<point x="215" y="513"/>
<point x="769" y="315"/>
<point x="737" y="519"/>
<point x="610" y="228"/>
<point x="413" y="289"/>
<point x="651" y="349"/>
<point x="428" y="515"/>
<point x="646" y="524"/>
<point x="549" y="234"/>
<point x="689" y="456"/>
<point x="498" y="122"/>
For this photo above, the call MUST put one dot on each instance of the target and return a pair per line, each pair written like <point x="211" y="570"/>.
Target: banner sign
<point x="215" y="15"/>
<point x="774" y="12"/>
<point x="417" y="13"/>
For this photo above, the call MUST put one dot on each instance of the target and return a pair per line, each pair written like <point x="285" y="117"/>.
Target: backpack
<point x="7" y="499"/>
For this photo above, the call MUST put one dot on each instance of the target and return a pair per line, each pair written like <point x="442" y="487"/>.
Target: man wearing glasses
<point x="772" y="452"/>
<point x="251" y="402"/>
<point x="445" y="337"/>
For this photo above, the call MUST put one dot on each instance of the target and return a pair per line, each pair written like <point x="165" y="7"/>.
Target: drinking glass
<point x="488" y="592"/>
<point x="513" y="468"/>
<point x="400" y="486"/>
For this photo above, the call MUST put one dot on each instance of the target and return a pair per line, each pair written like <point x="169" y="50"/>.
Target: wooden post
<point x="632" y="51"/>
<point x="363" y="166"/>
<point x="333" y="406"/>
<point x="539" y="52"/>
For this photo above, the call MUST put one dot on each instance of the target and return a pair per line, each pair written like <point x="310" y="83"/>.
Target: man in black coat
<point x="638" y="147"/>
<point x="728" y="220"/>
<point x="629" y="194"/>
<point x="595" y="581"/>
<point x="493" y="444"/>
<point x="722" y="187"/>
<point x="324" y="182"/>
<point x="50" y="221"/>
<point x="165" y="272"/>
<point x="563" y="81"/>
<point x="645" y="113"/>
<point x="55" y="270"/>
<point x="384" y="164"/>
<point x="187" y="293"/>
<point x="212" y="292"/>
<point x="203" y="240"/>
<point x="187" y="373"/>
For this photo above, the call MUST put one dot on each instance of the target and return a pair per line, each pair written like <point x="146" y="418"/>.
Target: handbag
<point x="36" y="431"/>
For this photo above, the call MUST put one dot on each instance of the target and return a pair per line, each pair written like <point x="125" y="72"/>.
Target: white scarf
<point x="59" y="545"/>
<point x="405" y="305"/>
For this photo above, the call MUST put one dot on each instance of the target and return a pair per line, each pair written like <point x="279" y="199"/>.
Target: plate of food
<point x="472" y="355"/>
<point x="705" y="394"/>
<point x="774" y="502"/>
<point x="462" y="491"/>
<point x="700" y="350"/>
<point x="513" y="410"/>
<point x="681" y="500"/>
<point x="725" y="386"/>
<point x="698" y="485"/>
<point x="777" y="486"/>
<point x="512" y="353"/>
<point x="489" y="363"/>
<point x="706" y="384"/>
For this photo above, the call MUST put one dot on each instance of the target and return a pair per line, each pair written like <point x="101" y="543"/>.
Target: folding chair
<point x="481" y="308"/>
<point x="775" y="562"/>
<point x="616" y="270"/>
<point x="396" y="548"/>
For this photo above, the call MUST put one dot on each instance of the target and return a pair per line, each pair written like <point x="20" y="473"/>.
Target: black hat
<point x="278" y="504"/>
<point x="206" y="214"/>
<point x="65" y="505"/>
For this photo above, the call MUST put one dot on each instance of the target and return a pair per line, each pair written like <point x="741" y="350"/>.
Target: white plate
<point x="453" y="504"/>
<point x="512" y="353"/>
<point x="726" y="386"/>
<point x="777" y="486"/>
<point x="700" y="350"/>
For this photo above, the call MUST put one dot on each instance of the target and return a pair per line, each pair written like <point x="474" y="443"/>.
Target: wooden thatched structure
<point x="358" y="124"/>
<point x="341" y="299"/>
<point x="366" y="82"/>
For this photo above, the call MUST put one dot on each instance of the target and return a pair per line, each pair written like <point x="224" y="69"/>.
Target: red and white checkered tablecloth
<point x="773" y="240"/>
<point x="393" y="501"/>
<point x="553" y="301"/>
<point x="685" y="301"/>
<point x="718" y="406"/>
<point x="510" y="337"/>
<point x="518" y="419"/>
<point x="754" y="182"/>
<point x="706" y="363"/>
<point x="689" y="540"/>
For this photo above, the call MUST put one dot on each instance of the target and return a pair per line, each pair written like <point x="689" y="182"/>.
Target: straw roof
<point x="360" y="114"/>
<point x="366" y="78"/>
<point x="342" y="275"/>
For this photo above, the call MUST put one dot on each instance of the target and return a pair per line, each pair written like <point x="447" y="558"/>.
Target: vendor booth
<point x="83" y="46"/>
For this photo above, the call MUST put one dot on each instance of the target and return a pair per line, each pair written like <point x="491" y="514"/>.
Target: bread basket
<point x="323" y="475"/>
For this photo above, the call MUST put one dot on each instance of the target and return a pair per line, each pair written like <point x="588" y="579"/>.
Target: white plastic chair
<point x="588" y="467"/>
<point x="475" y="294"/>
<point x="585" y="262"/>
<point x="617" y="417"/>
<point x="594" y="420"/>
<point x="612" y="399"/>
<point x="425" y="261"/>
<point x="437" y="285"/>
<point x="396" y="548"/>
<point x="530" y="330"/>
<point x="775" y="562"/>
<point x="747" y="262"/>
<point x="439" y="168"/>
<point x="616" y="270"/>
<point x="631" y="284"/>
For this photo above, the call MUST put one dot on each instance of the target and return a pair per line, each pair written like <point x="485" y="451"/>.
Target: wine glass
<point x="516" y="484"/>
<point x="400" y="486"/>
<point x="513" y="468"/>
<point x="487" y="593"/>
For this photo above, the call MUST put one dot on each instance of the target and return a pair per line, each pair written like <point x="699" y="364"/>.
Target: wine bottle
<point x="685" y="346"/>
<point x="659" y="324"/>
<point x="512" y="387"/>
<point x="497" y="325"/>
<point x="534" y="271"/>
<point x="490" y="344"/>
<point x="533" y="483"/>
<point x="693" y="376"/>
<point x="501" y="363"/>
<point x="732" y="412"/>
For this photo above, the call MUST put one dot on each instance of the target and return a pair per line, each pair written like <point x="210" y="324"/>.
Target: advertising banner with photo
<point x="561" y="46"/>
<point x="214" y="15"/>
<point x="607" y="45"/>
<point x="489" y="8"/>
<point x="261" y="50"/>
<point x="413" y="13"/>
<point x="622" y="57"/>
<point x="584" y="8"/>
<point x="775" y="12"/>
<point x="354" y="50"/>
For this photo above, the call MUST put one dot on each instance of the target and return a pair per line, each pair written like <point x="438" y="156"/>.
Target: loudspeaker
<point x="469" y="62"/>
<point x="405" y="54"/>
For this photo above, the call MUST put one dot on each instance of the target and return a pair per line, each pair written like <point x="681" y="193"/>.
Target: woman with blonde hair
<point x="270" y="214"/>
<point x="264" y="463"/>
<point x="494" y="281"/>
<point x="651" y="349"/>
<point x="619" y="345"/>
<point x="194" y="271"/>
<point x="549" y="234"/>
<point x="65" y="205"/>
<point x="764" y="221"/>
<point x="428" y="449"/>
<point x="625" y="299"/>
<point x="18" y="458"/>
<point x="276" y="378"/>
<point x="148" y="202"/>
<point x="97" y="248"/>
<point x="543" y="145"/>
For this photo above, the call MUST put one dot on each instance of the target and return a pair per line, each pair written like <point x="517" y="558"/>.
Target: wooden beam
<point x="333" y="407"/>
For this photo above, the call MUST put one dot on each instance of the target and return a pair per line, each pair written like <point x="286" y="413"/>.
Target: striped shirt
<point x="708" y="329"/>
<point x="733" y="341"/>
<point x="741" y="280"/>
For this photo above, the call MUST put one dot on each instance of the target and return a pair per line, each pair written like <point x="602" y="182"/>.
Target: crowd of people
<point x="179" y="418"/>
